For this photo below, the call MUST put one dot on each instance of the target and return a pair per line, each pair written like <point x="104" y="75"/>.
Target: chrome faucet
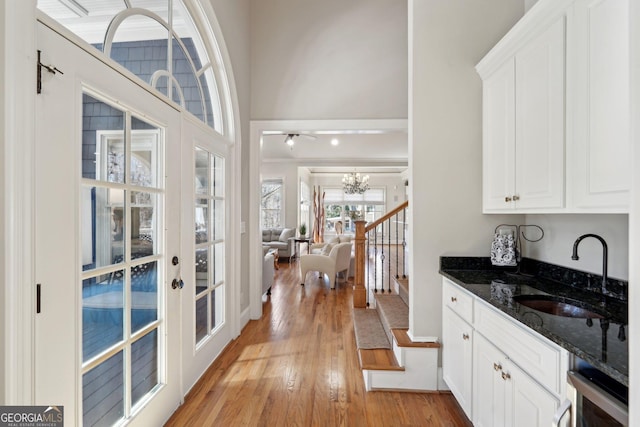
<point x="604" y="257"/>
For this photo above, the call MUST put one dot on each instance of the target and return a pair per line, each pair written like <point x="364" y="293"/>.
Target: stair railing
<point x="374" y="257"/>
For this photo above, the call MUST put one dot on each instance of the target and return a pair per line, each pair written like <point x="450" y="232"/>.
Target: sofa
<point x="281" y="239"/>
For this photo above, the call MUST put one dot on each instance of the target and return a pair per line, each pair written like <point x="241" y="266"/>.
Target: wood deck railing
<point x="372" y="236"/>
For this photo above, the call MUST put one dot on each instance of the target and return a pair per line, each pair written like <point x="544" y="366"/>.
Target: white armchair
<point x="335" y="262"/>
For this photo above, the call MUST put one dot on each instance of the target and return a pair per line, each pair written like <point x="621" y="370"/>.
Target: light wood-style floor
<point x="298" y="366"/>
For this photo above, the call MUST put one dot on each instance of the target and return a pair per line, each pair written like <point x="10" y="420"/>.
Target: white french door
<point x="206" y="311"/>
<point x="107" y="178"/>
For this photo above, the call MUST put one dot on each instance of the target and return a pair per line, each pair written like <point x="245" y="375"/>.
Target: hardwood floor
<point x="298" y="366"/>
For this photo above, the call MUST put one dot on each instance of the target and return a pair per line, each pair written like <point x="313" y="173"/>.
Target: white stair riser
<point x="421" y="371"/>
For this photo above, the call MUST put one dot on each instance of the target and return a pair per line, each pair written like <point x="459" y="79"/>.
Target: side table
<point x="299" y="240"/>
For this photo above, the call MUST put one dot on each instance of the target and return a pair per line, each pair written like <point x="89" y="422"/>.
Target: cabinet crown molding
<point x="534" y="22"/>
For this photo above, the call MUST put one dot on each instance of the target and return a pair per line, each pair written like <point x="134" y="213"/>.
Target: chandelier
<point x="353" y="183"/>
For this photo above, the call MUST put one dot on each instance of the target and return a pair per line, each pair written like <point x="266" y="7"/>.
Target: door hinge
<point x="38" y="293"/>
<point x="50" y="68"/>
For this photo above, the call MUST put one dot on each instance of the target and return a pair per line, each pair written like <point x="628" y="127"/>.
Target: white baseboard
<point x="245" y="316"/>
<point x="442" y="385"/>
<point x="416" y="338"/>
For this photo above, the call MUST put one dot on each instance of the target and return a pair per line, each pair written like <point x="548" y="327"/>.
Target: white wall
<point x="528" y="4"/>
<point x="234" y="20"/>
<point x="330" y="59"/>
<point x="634" y="219"/>
<point x="562" y="230"/>
<point x="446" y="40"/>
<point x="2" y="214"/>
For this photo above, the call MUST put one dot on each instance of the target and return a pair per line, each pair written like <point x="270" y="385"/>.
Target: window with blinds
<point x="343" y="209"/>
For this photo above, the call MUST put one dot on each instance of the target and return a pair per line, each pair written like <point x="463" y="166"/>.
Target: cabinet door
<point x="498" y="137"/>
<point x="530" y="405"/>
<point x="540" y="131"/>
<point x="457" y="349"/>
<point x="489" y="391"/>
<point x="600" y="142"/>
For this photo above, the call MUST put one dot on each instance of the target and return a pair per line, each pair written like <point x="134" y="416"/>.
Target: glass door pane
<point x="209" y="240"/>
<point x="121" y="234"/>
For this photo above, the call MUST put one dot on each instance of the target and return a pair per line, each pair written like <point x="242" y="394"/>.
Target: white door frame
<point x="18" y="57"/>
<point x="257" y="128"/>
<point x="18" y="110"/>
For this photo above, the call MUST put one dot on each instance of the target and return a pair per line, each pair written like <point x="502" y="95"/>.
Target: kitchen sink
<point x="557" y="306"/>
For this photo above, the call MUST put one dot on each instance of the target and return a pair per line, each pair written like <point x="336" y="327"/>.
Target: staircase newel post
<point x="359" y="291"/>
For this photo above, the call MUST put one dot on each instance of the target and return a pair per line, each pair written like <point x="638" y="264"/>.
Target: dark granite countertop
<point x="600" y="342"/>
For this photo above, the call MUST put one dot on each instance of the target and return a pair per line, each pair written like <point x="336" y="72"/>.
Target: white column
<point x="446" y="40"/>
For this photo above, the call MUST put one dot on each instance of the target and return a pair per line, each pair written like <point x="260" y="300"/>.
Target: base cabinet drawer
<point x="457" y="300"/>
<point x="537" y="357"/>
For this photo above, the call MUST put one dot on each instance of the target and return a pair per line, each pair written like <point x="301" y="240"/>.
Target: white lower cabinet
<point x="503" y="394"/>
<point x="457" y="352"/>
<point x="489" y="389"/>
<point x="500" y="372"/>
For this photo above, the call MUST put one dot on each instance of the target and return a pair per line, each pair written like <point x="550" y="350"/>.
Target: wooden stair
<point x="403" y="340"/>
<point x="380" y="359"/>
<point x="401" y="366"/>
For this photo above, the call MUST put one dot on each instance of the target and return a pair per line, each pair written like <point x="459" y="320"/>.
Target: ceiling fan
<point x="289" y="137"/>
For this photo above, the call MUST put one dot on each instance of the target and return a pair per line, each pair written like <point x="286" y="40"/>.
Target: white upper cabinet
<point x="540" y="121"/>
<point x="599" y="149"/>
<point x="523" y="121"/>
<point x="558" y="83"/>
<point x="498" y="128"/>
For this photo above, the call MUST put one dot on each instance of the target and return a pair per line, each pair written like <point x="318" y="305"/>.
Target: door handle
<point x="38" y="298"/>
<point x="177" y="284"/>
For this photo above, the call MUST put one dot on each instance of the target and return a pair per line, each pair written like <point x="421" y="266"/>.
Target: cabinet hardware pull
<point x="506" y="376"/>
<point x="465" y="336"/>
<point x="454" y="299"/>
<point x="516" y="197"/>
<point x="497" y="366"/>
<point x="562" y="410"/>
<point x="507" y="199"/>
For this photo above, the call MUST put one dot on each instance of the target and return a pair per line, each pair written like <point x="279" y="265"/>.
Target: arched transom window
<point x="157" y="40"/>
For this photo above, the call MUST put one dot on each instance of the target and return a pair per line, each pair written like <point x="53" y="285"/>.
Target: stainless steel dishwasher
<point x="595" y="399"/>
